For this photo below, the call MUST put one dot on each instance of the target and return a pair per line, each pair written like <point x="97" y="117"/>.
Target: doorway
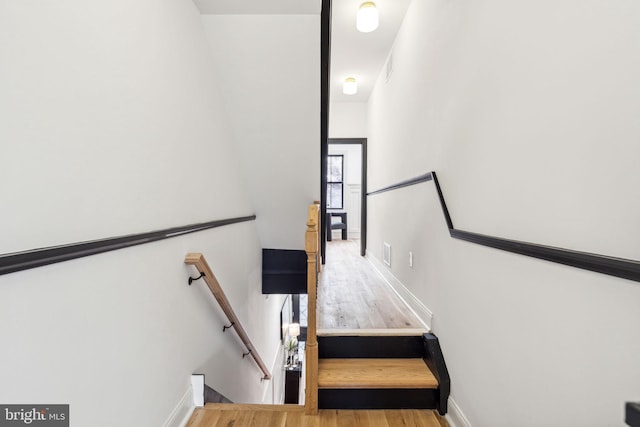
<point x="353" y="153"/>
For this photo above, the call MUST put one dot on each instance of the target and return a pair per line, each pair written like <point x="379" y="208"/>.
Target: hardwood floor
<point x="227" y="415"/>
<point x="353" y="296"/>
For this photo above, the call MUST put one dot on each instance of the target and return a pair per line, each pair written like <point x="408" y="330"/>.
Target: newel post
<point x="311" y="359"/>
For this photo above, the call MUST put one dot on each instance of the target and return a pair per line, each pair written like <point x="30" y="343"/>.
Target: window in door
<point x="335" y="181"/>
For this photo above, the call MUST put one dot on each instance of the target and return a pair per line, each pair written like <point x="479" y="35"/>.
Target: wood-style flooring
<point x="228" y="415"/>
<point x="353" y="296"/>
<point x="375" y="374"/>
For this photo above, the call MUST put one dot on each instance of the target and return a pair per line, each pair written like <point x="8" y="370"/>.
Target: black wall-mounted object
<point x="632" y="414"/>
<point x="12" y="262"/>
<point x="284" y="271"/>
<point x="619" y="267"/>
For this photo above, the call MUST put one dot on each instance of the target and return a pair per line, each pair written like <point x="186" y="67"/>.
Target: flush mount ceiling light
<point x="350" y="86"/>
<point x="367" y="18"/>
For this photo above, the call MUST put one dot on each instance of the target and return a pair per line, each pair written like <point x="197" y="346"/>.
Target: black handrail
<point x="17" y="261"/>
<point x="619" y="267"/>
<point x="632" y="414"/>
<point x="406" y="183"/>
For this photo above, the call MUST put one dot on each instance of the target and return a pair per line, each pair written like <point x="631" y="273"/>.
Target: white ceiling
<point x="259" y="7"/>
<point x="353" y="54"/>
<point x="361" y="55"/>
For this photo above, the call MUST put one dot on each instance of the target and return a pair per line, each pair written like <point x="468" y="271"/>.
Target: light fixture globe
<point x="367" y="18"/>
<point x="350" y="86"/>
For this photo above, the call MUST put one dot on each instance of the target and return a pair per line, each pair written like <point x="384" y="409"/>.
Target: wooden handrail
<point x="198" y="260"/>
<point x="311" y="358"/>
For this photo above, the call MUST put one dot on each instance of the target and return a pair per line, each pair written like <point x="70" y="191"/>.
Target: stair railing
<point x="619" y="267"/>
<point x="311" y="356"/>
<point x="198" y="261"/>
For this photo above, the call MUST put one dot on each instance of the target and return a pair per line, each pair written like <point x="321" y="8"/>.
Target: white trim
<point x="181" y="414"/>
<point x="197" y="389"/>
<point x="455" y="417"/>
<point x="415" y="305"/>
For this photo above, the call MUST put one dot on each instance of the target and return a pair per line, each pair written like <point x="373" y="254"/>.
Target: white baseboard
<point x="181" y="414"/>
<point x="419" y="309"/>
<point x="455" y="417"/>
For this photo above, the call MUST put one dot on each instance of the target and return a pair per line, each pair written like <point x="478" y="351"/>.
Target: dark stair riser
<point x="360" y="347"/>
<point x="378" y="398"/>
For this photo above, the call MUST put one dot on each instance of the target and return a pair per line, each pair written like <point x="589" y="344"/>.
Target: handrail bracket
<point x="199" y="262"/>
<point x="193" y="279"/>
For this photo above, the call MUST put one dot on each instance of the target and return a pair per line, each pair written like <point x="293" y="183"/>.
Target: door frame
<point x="363" y="194"/>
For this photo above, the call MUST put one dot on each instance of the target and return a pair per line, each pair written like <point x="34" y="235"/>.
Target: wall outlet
<point x="410" y="259"/>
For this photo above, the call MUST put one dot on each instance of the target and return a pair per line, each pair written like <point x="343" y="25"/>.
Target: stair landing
<point x="375" y="374"/>
<point x="353" y="296"/>
<point x="224" y="415"/>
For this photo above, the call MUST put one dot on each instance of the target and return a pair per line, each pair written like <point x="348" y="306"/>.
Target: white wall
<point x="112" y="124"/>
<point x="347" y="120"/>
<point x="526" y="110"/>
<point x="108" y="121"/>
<point x="269" y="74"/>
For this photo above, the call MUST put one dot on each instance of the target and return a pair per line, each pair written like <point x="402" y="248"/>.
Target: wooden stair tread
<point x="287" y="416"/>
<point x="252" y="407"/>
<point x="375" y="374"/>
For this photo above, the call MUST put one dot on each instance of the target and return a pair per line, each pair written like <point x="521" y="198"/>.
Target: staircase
<point x="377" y="377"/>
<point x="382" y="372"/>
<point x="364" y="380"/>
